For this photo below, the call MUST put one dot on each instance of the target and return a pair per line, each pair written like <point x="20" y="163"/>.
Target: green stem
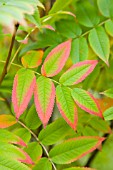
<point x="17" y="51"/>
<point x="36" y="138"/>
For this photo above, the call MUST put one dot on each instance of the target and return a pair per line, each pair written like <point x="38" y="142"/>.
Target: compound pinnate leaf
<point x="73" y="149"/>
<point x="66" y="106"/>
<point x="32" y="59"/>
<point x="23" y="87"/>
<point x="86" y="101"/>
<point x="78" y="72"/>
<point x="7" y="120"/>
<point x="56" y="59"/>
<point x="44" y="96"/>
<point x="99" y="42"/>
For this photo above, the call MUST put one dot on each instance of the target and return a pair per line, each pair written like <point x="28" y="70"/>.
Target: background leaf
<point x="79" y="50"/>
<point x="99" y="42"/>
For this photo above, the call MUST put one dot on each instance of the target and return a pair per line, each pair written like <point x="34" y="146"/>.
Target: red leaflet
<point x="23" y="87"/>
<point x="56" y="59"/>
<point x="44" y="96"/>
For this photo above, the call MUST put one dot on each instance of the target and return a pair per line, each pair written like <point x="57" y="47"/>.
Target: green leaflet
<point x="43" y="164"/>
<point x="108" y="114"/>
<point x="86" y="14"/>
<point x="66" y="106"/>
<point x="106" y="7"/>
<point x="54" y="132"/>
<point x="68" y="28"/>
<point x="32" y="115"/>
<point x="73" y="149"/>
<point x="79" y="50"/>
<point x="109" y="27"/>
<point x="8" y="164"/>
<point x="86" y="101"/>
<point x="32" y="59"/>
<point x="56" y="59"/>
<point x="77" y="72"/>
<point x="34" y="150"/>
<point x="44" y="96"/>
<point x="108" y="93"/>
<point x="99" y="42"/>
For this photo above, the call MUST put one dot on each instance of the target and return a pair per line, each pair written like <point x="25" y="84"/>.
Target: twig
<point x="9" y="54"/>
<point x="36" y="138"/>
<point x="17" y="51"/>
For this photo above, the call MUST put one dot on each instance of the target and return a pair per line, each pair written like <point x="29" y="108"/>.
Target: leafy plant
<point x="54" y="106"/>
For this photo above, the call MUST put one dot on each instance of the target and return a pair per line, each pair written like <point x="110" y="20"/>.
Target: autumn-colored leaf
<point x="44" y="96"/>
<point x="7" y="120"/>
<point x="32" y="59"/>
<point x="78" y="72"/>
<point x="66" y="106"/>
<point x="56" y="59"/>
<point x="23" y="87"/>
<point x="86" y="101"/>
<point x="105" y="103"/>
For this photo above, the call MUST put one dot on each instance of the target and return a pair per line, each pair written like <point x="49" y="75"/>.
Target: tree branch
<point x="9" y="54"/>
